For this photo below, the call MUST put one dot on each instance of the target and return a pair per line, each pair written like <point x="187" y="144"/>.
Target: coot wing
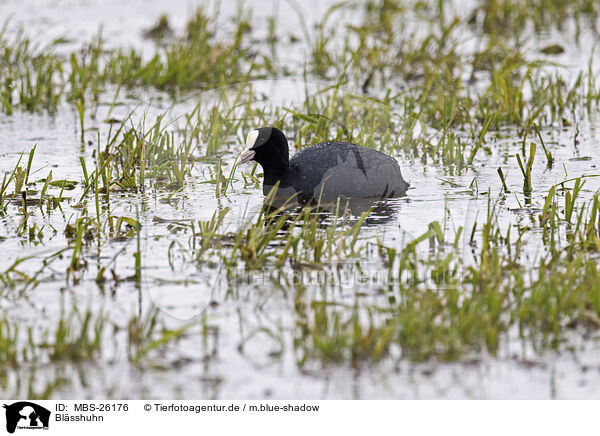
<point x="339" y="169"/>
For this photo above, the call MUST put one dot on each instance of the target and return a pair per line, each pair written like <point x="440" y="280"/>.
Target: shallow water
<point x="241" y="342"/>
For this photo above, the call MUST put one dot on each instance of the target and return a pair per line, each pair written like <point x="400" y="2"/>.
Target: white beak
<point x="246" y="156"/>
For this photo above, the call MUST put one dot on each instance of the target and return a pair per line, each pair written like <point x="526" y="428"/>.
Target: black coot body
<point x="324" y="171"/>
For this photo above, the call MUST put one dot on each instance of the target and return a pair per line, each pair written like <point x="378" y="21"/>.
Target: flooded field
<point x="139" y="261"/>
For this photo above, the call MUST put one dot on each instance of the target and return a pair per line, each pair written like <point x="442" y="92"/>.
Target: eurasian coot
<point x="327" y="170"/>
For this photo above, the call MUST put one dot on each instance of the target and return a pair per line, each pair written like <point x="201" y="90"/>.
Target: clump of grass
<point x="30" y="78"/>
<point x="571" y="198"/>
<point x="160" y="30"/>
<point x="77" y="344"/>
<point x="17" y="175"/>
<point x="36" y="78"/>
<point x="508" y="17"/>
<point x="549" y="158"/>
<point x="9" y="354"/>
<point x="194" y="61"/>
<point x="337" y="334"/>
<point x="146" y="336"/>
<point x="526" y="170"/>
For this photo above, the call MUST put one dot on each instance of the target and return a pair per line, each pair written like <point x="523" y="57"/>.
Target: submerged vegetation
<point x="459" y="96"/>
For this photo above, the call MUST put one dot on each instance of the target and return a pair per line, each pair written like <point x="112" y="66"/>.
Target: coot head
<point x="269" y="147"/>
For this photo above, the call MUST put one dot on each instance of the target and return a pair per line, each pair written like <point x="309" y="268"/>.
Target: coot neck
<point x="274" y="156"/>
<point x="274" y="175"/>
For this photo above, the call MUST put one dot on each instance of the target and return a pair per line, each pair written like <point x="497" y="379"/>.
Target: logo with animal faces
<point x="25" y="415"/>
